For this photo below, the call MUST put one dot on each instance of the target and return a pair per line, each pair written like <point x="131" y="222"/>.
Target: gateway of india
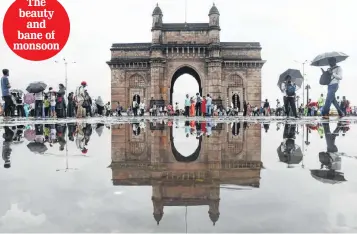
<point x="229" y="71"/>
<point x="147" y="156"/>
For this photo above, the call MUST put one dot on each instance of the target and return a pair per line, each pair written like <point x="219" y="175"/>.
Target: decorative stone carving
<point x="137" y="81"/>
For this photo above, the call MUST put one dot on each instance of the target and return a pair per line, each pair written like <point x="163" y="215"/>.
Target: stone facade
<point x="221" y="68"/>
<point x="231" y="155"/>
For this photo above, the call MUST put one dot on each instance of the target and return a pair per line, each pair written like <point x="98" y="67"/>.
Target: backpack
<point x="290" y="90"/>
<point x="326" y="77"/>
<point x="199" y="99"/>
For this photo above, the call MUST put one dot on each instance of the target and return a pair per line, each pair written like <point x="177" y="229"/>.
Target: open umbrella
<point x="294" y="157"/>
<point x="37" y="147"/>
<point x="17" y="91"/>
<point x="322" y="59"/>
<point x="328" y="176"/>
<point x="29" y="98"/>
<point x="36" y="87"/>
<point x="296" y="77"/>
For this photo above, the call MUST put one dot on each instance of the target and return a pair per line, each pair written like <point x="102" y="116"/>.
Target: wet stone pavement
<point x="179" y="176"/>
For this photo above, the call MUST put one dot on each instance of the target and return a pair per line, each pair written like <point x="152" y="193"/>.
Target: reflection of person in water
<point x="266" y="127"/>
<point x="6" y="150"/>
<point x="288" y="144"/>
<point x="60" y="134"/>
<point x="71" y="131"/>
<point x="136" y="129"/>
<point x="187" y="128"/>
<point x="40" y="138"/>
<point x="235" y="129"/>
<point x="331" y="159"/>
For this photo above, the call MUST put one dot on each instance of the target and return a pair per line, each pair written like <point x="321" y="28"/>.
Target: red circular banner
<point x="36" y="30"/>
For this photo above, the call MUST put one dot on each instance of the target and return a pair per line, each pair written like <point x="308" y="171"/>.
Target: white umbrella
<point x="322" y="59"/>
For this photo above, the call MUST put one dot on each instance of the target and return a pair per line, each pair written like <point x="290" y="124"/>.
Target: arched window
<point x="136" y="81"/>
<point x="235" y="80"/>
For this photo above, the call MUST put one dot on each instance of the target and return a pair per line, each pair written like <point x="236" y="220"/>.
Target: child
<point x="47" y="105"/>
<point x="27" y="110"/>
<point x="52" y="97"/>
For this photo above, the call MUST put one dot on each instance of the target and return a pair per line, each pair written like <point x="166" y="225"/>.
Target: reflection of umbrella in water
<point x="322" y="59"/>
<point x="295" y="157"/>
<point x="36" y="87"/>
<point x="99" y="129"/>
<point x="30" y="135"/>
<point x="328" y="176"/>
<point x="37" y="147"/>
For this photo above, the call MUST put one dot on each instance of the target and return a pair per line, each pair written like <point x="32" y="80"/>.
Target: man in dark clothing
<point x="245" y="108"/>
<point x="266" y="108"/>
<point x="198" y="104"/>
<point x="6" y="95"/>
<point x="289" y="88"/>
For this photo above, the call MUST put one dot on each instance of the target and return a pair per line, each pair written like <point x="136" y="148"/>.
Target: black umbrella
<point x="294" y="157"/>
<point x="328" y="176"/>
<point x="295" y="75"/>
<point x="37" y="147"/>
<point x="36" y="87"/>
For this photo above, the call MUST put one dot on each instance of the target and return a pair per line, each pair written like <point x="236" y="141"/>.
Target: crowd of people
<point x="50" y="103"/>
<point x="56" y="104"/>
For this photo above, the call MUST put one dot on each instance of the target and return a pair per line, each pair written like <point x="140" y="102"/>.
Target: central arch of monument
<point x="186" y="69"/>
<point x="149" y="69"/>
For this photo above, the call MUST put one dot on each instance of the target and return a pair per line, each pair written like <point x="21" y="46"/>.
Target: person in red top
<point x="203" y="106"/>
<point x="203" y="127"/>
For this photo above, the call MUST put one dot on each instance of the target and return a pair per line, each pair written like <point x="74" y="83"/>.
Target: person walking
<point x="6" y="96"/>
<point x="289" y="89"/>
<point x="336" y="76"/>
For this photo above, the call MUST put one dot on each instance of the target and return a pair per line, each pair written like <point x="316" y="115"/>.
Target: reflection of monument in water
<point x="150" y="158"/>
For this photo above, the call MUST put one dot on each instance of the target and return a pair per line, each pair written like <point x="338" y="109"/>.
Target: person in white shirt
<point x="142" y="108"/>
<point x="336" y="77"/>
<point x="80" y="99"/>
<point x="39" y="104"/>
<point x="52" y="97"/>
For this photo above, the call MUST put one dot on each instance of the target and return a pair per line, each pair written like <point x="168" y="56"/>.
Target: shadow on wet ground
<point x="179" y="176"/>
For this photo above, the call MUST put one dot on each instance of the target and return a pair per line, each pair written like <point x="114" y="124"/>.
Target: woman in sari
<point x="203" y="106"/>
<point x="192" y="108"/>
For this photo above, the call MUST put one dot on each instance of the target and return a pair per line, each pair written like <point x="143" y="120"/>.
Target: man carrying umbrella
<point x="336" y="76"/>
<point x="289" y="89"/>
<point x="331" y="78"/>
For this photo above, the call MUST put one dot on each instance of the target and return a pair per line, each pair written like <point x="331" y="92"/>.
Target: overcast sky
<point x="287" y="30"/>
